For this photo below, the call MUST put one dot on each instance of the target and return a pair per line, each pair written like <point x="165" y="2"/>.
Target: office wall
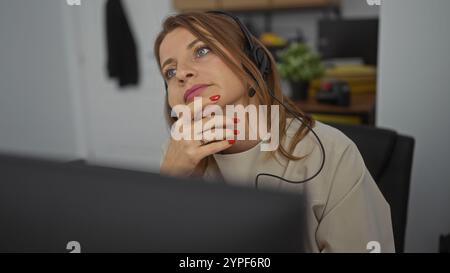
<point x="125" y="127"/>
<point x="37" y="99"/>
<point x="359" y="9"/>
<point x="55" y="98"/>
<point x="413" y="98"/>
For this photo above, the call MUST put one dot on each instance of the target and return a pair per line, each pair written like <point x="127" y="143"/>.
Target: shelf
<point x="253" y="5"/>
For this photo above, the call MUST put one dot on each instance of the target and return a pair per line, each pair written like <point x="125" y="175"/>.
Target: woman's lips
<point x="196" y="92"/>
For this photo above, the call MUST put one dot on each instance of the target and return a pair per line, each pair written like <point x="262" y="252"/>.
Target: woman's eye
<point x="202" y="51"/>
<point x="199" y="53"/>
<point x="170" y="73"/>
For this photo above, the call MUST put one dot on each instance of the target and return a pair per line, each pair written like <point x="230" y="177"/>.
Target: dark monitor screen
<point x="349" y="38"/>
<point x="46" y="205"/>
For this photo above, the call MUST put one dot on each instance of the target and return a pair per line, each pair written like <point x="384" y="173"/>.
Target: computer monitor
<point x="349" y="38"/>
<point x="47" y="206"/>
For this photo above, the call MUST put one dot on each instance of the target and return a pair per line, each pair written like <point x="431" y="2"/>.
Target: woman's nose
<point x="185" y="73"/>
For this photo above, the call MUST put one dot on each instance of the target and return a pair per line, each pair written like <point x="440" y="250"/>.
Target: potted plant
<point x="299" y="65"/>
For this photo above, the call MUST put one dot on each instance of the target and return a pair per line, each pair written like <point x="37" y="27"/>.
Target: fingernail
<point x="235" y="120"/>
<point x="236" y="132"/>
<point x="231" y="141"/>
<point x="214" y="98"/>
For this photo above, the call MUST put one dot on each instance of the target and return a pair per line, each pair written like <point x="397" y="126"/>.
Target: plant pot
<point x="299" y="90"/>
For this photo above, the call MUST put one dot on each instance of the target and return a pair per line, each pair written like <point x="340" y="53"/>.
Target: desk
<point x="362" y="107"/>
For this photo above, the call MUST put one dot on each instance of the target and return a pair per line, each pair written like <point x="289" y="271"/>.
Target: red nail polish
<point x="235" y="120"/>
<point x="236" y="132"/>
<point x="214" y="98"/>
<point x="231" y="141"/>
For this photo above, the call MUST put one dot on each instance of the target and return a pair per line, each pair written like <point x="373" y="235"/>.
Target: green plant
<point x="299" y="63"/>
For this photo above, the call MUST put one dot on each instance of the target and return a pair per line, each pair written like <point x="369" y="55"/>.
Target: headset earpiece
<point x="256" y="53"/>
<point x="262" y="61"/>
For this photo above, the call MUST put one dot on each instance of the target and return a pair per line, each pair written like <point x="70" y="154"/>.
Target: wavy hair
<point x="213" y="28"/>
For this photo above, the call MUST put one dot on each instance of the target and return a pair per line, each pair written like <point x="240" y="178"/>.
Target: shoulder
<point x="343" y="168"/>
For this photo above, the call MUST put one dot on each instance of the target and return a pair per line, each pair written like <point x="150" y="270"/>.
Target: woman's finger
<point x="214" y="147"/>
<point x="218" y="134"/>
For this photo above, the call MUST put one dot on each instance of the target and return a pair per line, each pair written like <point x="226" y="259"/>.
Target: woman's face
<point x="187" y="61"/>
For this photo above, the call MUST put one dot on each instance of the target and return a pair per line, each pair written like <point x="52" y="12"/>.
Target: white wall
<point x="413" y="98"/>
<point x="37" y="99"/>
<point x="55" y="98"/>
<point x="359" y="9"/>
<point x="125" y="127"/>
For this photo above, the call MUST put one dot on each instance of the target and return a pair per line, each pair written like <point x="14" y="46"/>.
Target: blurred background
<point x="67" y="94"/>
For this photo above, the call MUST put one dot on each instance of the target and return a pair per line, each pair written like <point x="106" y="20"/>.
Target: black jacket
<point x="122" y="52"/>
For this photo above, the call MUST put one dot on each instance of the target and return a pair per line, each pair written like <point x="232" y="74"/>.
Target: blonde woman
<point x="205" y="55"/>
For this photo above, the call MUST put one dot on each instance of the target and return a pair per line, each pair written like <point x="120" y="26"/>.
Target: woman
<point x="202" y="55"/>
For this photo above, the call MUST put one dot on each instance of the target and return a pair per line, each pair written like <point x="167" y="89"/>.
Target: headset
<point x="259" y="57"/>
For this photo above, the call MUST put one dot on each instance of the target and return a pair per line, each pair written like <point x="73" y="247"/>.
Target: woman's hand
<point x="182" y="156"/>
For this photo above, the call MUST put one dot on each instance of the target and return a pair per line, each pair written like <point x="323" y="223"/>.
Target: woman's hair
<point x="213" y="29"/>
